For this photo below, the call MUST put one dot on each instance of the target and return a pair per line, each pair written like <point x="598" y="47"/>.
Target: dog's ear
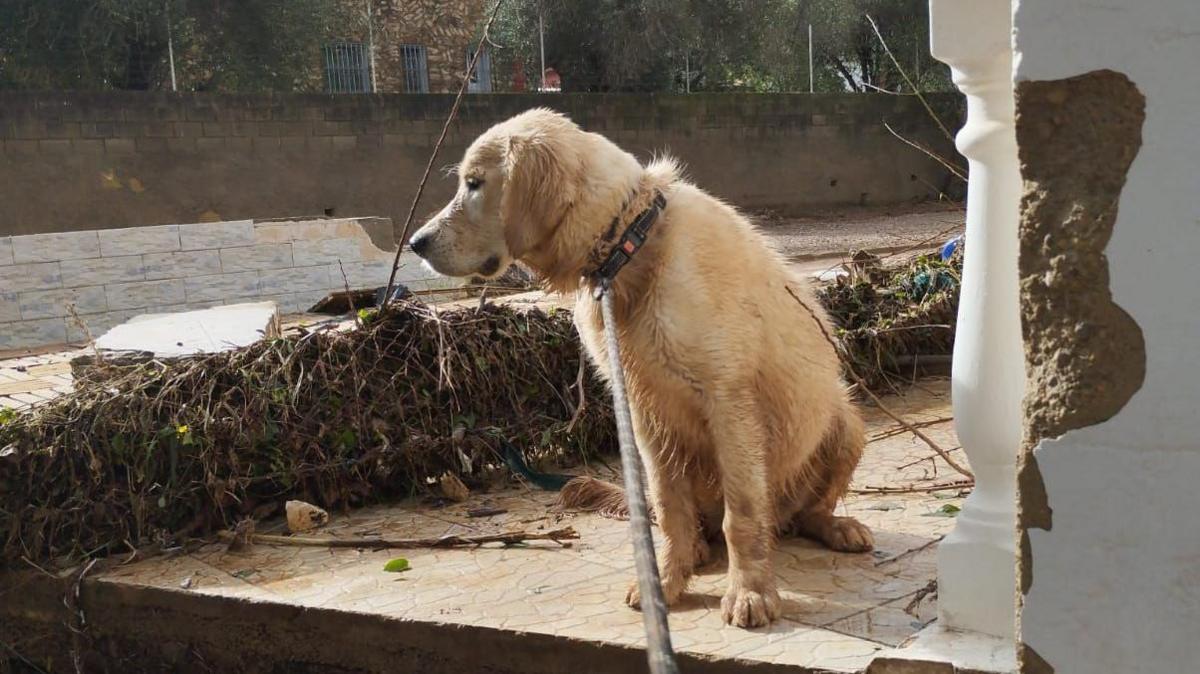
<point x="538" y="187"/>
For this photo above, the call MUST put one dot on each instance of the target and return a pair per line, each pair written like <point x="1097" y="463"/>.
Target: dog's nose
<point x="420" y="244"/>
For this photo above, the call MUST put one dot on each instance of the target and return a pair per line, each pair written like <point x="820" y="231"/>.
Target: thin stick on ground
<point x="915" y="488"/>
<point x="910" y="552"/>
<point x="373" y="543"/>
<point x="387" y="294"/>
<point x="957" y="171"/>
<point x="937" y="120"/>
<point x="866" y="390"/>
<point x="898" y="430"/>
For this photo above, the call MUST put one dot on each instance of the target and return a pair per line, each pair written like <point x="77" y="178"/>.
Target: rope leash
<point x="654" y="607"/>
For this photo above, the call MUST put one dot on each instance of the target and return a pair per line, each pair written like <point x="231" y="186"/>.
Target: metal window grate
<point x="416" y="68"/>
<point x="481" y="77"/>
<point x="347" y="68"/>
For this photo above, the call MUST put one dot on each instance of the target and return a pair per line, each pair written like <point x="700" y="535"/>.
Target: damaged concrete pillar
<point x="976" y="574"/>
<point x="1109" y="145"/>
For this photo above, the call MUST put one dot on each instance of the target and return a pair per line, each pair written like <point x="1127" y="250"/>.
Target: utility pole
<point x="170" y="45"/>
<point x="810" y="62"/>
<point x="371" y="45"/>
<point x="542" y="48"/>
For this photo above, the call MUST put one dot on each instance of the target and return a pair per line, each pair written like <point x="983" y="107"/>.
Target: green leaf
<point x="397" y="565"/>
<point x="948" y="510"/>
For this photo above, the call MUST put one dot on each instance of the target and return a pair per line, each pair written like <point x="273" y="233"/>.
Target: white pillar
<point x="976" y="562"/>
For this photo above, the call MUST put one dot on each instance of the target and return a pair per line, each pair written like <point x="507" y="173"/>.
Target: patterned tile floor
<point x="840" y="610"/>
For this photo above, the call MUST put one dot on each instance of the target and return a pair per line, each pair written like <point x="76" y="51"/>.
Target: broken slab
<point x="189" y="333"/>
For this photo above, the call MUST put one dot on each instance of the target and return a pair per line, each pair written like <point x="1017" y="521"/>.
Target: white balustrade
<point x="976" y="562"/>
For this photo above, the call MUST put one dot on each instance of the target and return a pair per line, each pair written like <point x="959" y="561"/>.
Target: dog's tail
<point x="587" y="494"/>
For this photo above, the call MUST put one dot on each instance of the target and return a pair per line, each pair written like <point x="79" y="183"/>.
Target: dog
<point x="742" y="419"/>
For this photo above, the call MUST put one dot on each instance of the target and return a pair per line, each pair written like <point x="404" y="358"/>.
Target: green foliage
<point x="265" y="45"/>
<point x="397" y="565"/>
<point x="717" y="45"/>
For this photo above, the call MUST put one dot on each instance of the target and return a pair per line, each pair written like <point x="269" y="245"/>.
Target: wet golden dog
<point x="740" y="412"/>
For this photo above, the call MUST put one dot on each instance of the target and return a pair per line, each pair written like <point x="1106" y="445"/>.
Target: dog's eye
<point x="474" y="183"/>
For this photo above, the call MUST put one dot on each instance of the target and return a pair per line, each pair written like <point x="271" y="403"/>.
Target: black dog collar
<point x="631" y="241"/>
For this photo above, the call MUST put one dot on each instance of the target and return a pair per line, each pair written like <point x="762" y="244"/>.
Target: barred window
<point x="416" y="68"/>
<point x="481" y="77"/>
<point x="347" y="68"/>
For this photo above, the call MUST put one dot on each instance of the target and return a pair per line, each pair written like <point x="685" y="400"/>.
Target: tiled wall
<point x="112" y="275"/>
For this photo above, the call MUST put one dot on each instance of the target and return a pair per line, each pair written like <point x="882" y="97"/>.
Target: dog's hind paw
<point x="846" y="534"/>
<point x="746" y="608"/>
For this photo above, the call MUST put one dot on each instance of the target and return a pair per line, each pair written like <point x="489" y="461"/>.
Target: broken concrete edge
<point x="140" y="628"/>
<point x="936" y="650"/>
<point x="1085" y="356"/>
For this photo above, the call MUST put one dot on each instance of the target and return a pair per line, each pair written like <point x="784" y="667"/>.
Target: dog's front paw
<point x="672" y="590"/>
<point x="749" y="608"/>
<point x="846" y="534"/>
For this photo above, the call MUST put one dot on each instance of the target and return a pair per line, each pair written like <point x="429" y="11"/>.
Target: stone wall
<point x="446" y="28"/>
<point x="93" y="161"/>
<point x="108" y="276"/>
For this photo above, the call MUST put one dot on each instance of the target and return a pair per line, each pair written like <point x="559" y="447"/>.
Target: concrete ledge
<point x="144" y="629"/>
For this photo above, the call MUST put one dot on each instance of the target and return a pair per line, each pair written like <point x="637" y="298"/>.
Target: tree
<point x="223" y="45"/>
<point x="755" y="45"/>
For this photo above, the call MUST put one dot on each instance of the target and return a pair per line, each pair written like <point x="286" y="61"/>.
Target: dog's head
<point x="515" y="183"/>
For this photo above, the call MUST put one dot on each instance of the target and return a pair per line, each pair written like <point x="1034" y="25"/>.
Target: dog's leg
<point x="678" y="519"/>
<point x="835" y="461"/>
<point x="740" y="445"/>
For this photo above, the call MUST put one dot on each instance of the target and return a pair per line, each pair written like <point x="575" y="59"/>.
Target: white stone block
<point x="222" y="287"/>
<point x="145" y="294"/>
<point x="361" y="274"/>
<point x="55" y="246"/>
<point x="139" y="240"/>
<point x="54" y="303"/>
<point x="97" y="324"/>
<point x="102" y="270"/>
<point x="6" y="250"/>
<point x="37" y="276"/>
<point x="260" y="256"/>
<point x="329" y="251"/>
<point x="183" y="264"/>
<point x="296" y="279"/>
<point x="10" y="307"/>
<point x="192" y="332"/>
<point x="216" y="234"/>
<point x="32" y="333"/>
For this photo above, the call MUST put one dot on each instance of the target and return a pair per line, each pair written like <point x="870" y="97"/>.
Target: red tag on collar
<point x="629" y="248"/>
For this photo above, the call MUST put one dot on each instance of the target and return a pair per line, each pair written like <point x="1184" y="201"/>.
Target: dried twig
<point x="930" y="588"/>
<point x="453" y="541"/>
<point x="931" y="457"/>
<point x="897" y="430"/>
<point x="412" y="211"/>
<point x="582" y="393"/>
<point x="866" y="390"/>
<point x="958" y="171"/>
<point x="915" y="488"/>
<point x="904" y="74"/>
<point x="913" y="551"/>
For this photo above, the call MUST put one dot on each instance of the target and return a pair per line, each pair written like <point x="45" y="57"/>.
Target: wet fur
<point x="741" y="416"/>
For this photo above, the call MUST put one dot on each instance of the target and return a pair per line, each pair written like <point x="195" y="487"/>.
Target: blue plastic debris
<point x="951" y="247"/>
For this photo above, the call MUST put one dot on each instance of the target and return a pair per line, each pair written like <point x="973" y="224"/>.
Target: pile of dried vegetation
<point x="149" y="452"/>
<point x="892" y="319"/>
